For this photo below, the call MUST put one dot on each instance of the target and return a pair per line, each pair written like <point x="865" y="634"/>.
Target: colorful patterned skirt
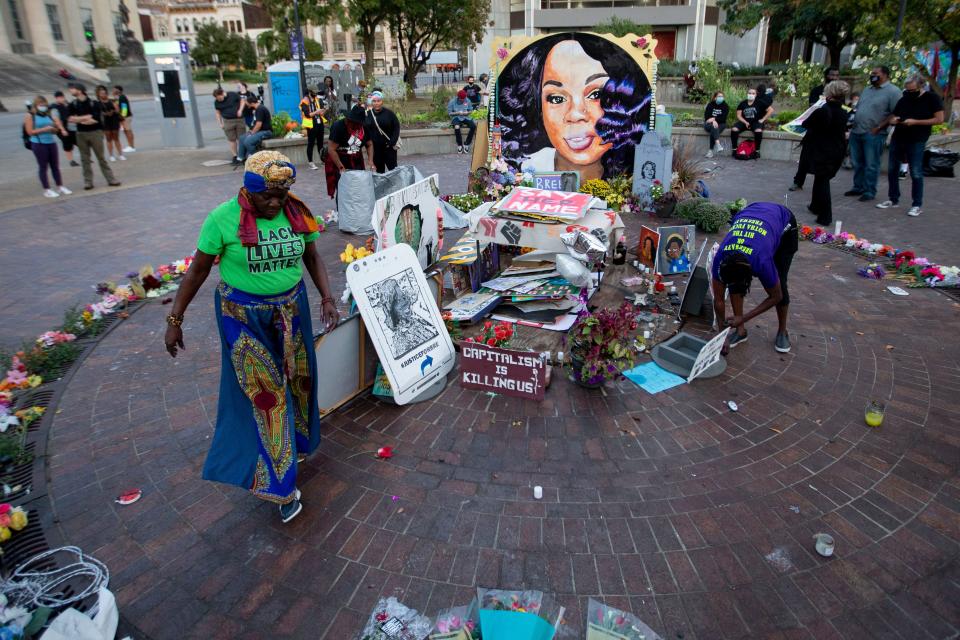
<point x="267" y="412"/>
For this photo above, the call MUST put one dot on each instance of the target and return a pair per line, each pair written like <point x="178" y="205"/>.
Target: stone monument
<point x="132" y="74"/>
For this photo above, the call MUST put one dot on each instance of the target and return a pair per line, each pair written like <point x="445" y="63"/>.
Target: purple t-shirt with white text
<point x="756" y="232"/>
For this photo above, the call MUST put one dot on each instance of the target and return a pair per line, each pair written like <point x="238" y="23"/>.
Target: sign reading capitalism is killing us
<point x="573" y="101"/>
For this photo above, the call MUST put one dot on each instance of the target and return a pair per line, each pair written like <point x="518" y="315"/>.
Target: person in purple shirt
<point x="761" y="242"/>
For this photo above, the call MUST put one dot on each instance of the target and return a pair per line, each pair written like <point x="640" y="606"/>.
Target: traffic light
<point x="88" y="34"/>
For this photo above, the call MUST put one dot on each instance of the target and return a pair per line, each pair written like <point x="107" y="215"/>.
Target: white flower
<point x="8" y="421"/>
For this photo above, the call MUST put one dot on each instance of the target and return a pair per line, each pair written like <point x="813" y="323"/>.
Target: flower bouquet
<point x="392" y="620"/>
<point x="873" y="271"/>
<point x="11" y="519"/>
<point x="601" y="344"/>
<point x="493" y="335"/>
<point x="607" y="623"/>
<point x="518" y="615"/>
<point x="351" y="253"/>
<point x="457" y="623"/>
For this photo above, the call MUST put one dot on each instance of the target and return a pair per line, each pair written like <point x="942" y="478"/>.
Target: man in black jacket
<point x="384" y="128"/>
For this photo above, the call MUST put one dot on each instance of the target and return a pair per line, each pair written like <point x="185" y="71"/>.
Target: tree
<point x="422" y="25"/>
<point x="230" y="48"/>
<point x="830" y="23"/>
<point x="365" y="16"/>
<point x="620" y="27"/>
<point x="248" y="54"/>
<point x="276" y="44"/>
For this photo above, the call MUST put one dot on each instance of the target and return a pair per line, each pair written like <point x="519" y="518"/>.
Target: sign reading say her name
<point x="505" y="371"/>
<point x="557" y="180"/>
<point x="556" y="204"/>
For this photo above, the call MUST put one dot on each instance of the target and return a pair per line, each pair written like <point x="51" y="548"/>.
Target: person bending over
<point x="761" y="242"/>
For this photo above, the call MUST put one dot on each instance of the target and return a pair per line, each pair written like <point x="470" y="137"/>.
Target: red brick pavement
<point x="697" y="519"/>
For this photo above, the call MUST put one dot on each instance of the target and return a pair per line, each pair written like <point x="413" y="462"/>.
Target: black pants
<point x="456" y="131"/>
<point x="314" y="139"/>
<point x="820" y="201"/>
<point x="789" y="244"/>
<point x="801" y="176"/>
<point x="384" y="158"/>
<point x="739" y="127"/>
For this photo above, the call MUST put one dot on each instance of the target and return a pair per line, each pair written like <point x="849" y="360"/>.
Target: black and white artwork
<point x="651" y="161"/>
<point x="402" y="313"/>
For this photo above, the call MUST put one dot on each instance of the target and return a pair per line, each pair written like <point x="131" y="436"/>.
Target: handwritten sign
<point x="557" y="180"/>
<point x="545" y="202"/>
<point x="505" y="371"/>
<point x="709" y="354"/>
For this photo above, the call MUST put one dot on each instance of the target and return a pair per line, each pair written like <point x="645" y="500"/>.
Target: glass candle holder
<point x="873" y="413"/>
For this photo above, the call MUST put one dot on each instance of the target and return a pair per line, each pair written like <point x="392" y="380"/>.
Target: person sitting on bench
<point x="752" y="114"/>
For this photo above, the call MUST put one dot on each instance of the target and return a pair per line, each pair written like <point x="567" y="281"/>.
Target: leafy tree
<point x="105" y="57"/>
<point x="422" y="25"/>
<point x="365" y="16"/>
<point x="231" y="48"/>
<point x="248" y="54"/>
<point x="830" y="23"/>
<point x="620" y="27"/>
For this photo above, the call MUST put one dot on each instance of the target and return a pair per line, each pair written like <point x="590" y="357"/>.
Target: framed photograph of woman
<point x="647" y="247"/>
<point x="574" y="101"/>
<point x="673" y="251"/>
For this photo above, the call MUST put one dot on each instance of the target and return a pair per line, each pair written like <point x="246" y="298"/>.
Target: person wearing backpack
<point x="40" y="127"/>
<point x="752" y="114"/>
<point x="826" y="141"/>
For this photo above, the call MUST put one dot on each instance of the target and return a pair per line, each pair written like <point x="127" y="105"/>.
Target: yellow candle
<point x="873" y="417"/>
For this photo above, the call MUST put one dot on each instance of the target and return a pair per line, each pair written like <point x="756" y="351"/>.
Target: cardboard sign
<point x="557" y="180"/>
<point x="544" y="202"/>
<point x="709" y="354"/>
<point x="505" y="371"/>
<point x="411" y="216"/>
<point x="403" y="320"/>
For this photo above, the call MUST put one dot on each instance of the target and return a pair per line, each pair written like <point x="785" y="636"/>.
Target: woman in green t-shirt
<point x="267" y="412"/>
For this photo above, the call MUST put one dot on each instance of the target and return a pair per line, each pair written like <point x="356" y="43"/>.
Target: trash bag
<point x="358" y="191"/>
<point x="938" y="163"/>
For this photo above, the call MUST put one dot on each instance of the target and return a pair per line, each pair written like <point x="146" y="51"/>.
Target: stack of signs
<point x="411" y="216"/>
<point x="471" y="307"/>
<point x="402" y="319"/>
<point x="469" y="265"/>
<point x="543" y="205"/>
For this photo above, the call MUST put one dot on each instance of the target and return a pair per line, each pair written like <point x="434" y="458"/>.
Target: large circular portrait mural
<point x="575" y="102"/>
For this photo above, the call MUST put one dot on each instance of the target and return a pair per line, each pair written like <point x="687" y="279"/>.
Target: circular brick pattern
<point x="697" y="519"/>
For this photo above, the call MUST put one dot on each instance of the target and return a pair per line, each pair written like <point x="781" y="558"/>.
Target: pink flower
<point x="502" y="53"/>
<point x="641" y="43"/>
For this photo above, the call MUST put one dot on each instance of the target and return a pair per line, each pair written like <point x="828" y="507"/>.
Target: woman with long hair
<point x="573" y="102"/>
<point x="110" y="116"/>
<point x="42" y="126"/>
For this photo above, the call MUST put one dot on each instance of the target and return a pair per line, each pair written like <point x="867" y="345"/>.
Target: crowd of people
<point x="844" y="128"/>
<point x="85" y="124"/>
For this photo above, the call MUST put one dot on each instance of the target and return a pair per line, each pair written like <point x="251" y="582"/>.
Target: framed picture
<point x="673" y="251"/>
<point x="412" y="216"/>
<point x="647" y="247"/>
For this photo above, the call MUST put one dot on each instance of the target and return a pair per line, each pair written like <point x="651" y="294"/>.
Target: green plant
<point x="620" y="27"/>
<point x="940" y="129"/>
<point x="278" y="124"/>
<point x="598" y="188"/>
<point x="80" y="324"/>
<point x="901" y="60"/>
<point x="479" y="114"/>
<point x="465" y="201"/>
<point x="105" y="57"/>
<point x="601" y="344"/>
<point x="708" y="216"/>
<point x="799" y="78"/>
<point x="49" y="362"/>
<point x="688" y="171"/>
<point x="783" y="117"/>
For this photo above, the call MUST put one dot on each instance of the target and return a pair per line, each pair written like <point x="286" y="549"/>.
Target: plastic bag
<point x="393" y="620"/>
<point x="458" y="623"/>
<point x="938" y="163"/>
<point x="607" y="623"/>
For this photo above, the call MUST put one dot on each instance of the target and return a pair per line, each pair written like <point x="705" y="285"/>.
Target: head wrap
<point x="270" y="170"/>
<point x="376" y="94"/>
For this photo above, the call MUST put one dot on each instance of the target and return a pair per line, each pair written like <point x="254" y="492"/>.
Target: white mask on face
<point x="751" y="97"/>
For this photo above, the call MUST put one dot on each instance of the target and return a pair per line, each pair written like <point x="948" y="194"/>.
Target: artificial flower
<point x="502" y="53"/>
<point x="18" y="519"/>
<point x="640" y="43"/>
<point x="5" y="534"/>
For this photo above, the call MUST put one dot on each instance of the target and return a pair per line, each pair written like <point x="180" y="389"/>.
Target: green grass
<point x="250" y="77"/>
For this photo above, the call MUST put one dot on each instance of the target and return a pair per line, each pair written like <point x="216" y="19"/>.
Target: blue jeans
<point x="249" y="143"/>
<point x="865" y="150"/>
<point x="911" y="153"/>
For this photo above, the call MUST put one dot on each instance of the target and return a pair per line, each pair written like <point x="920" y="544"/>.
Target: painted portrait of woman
<point x="573" y="102"/>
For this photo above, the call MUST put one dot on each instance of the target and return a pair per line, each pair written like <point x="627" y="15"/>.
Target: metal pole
<point x="903" y="10"/>
<point x="300" y="47"/>
<point x="93" y="55"/>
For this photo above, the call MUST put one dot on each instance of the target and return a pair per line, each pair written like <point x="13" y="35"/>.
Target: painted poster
<point x="647" y="247"/>
<point x="411" y="216"/>
<point x="673" y="252"/>
<point x="573" y="101"/>
<point x="403" y="320"/>
<point x="561" y="205"/>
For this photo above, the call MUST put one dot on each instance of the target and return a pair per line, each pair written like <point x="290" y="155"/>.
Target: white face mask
<point x="751" y="97"/>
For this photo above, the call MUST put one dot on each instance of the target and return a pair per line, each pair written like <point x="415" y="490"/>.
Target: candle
<point x="673" y="288"/>
<point x="538" y="492"/>
<point x="646" y="335"/>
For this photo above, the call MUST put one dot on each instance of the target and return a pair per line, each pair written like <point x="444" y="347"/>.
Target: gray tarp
<point x="358" y="191"/>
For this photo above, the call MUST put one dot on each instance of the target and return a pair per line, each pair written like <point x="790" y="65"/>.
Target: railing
<point x="606" y="4"/>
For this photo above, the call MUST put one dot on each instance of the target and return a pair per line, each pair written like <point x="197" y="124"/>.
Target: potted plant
<point x="664" y="201"/>
<point x="601" y="345"/>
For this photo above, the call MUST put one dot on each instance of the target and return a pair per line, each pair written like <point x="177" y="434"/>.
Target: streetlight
<point x="88" y="34"/>
<point x="300" y="51"/>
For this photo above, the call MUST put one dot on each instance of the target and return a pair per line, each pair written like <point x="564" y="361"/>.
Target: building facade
<point x="48" y="27"/>
<point x="181" y="19"/>
<point x="343" y="44"/>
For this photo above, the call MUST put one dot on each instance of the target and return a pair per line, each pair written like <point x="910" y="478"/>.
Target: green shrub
<point x="783" y="117"/>
<point x="708" y="216"/>
<point x="105" y="58"/>
<point x="74" y="322"/>
<point x="49" y="362"/>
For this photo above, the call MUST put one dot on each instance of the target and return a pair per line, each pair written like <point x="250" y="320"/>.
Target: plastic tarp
<point x="358" y="191"/>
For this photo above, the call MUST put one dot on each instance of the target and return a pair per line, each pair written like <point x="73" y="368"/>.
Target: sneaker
<point x="914" y="212"/>
<point x="783" y="343"/>
<point x="113" y="159"/>
<point x="865" y="198"/>
<point x="853" y="192"/>
<point x="709" y="154"/>
<point x="718" y="148"/>
<point x="129" y="149"/>
<point x="65" y="191"/>
<point x="795" y="187"/>
<point x="114" y="184"/>
<point x="466" y="149"/>
<point x="50" y="193"/>
<point x="902" y="175"/>
<point x="755" y="155"/>
<point x="737" y="339"/>
<point x="886" y="204"/>
<point x="733" y="154"/>
<point x="313" y="166"/>
<point x="123" y="157"/>
<point x="292" y="509"/>
<point x="460" y="149"/>
<point x="87" y="187"/>
<point x="74" y="163"/>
